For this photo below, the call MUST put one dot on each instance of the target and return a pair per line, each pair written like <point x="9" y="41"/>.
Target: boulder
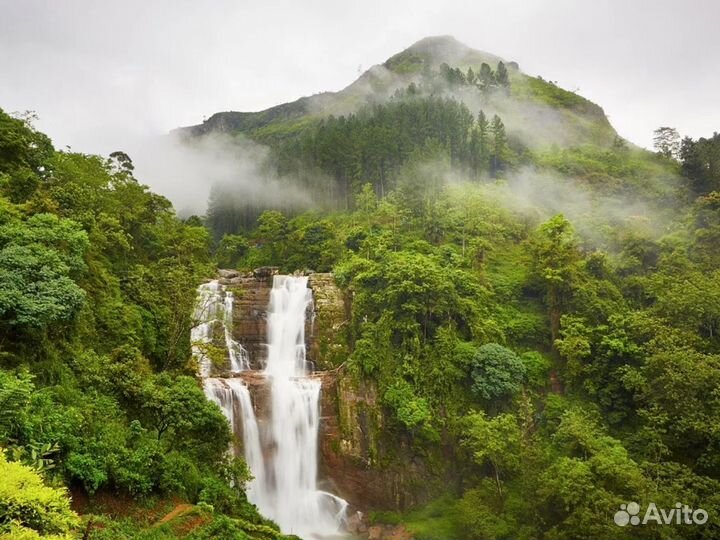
<point x="228" y="274"/>
<point x="265" y="272"/>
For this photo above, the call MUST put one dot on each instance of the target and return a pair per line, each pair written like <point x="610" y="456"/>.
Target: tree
<point x="486" y="77"/>
<point x="499" y="145"/>
<point x="470" y="76"/>
<point x="701" y="163"/>
<point x="679" y="393"/>
<point x="121" y="162"/>
<point x="366" y="201"/>
<point x="501" y="75"/>
<point x="411" y="411"/>
<point x="483" y="130"/>
<point x="36" y="288"/>
<point x="231" y="249"/>
<point x="691" y="298"/>
<point x="178" y="411"/>
<point x="422" y="180"/>
<point x="317" y="247"/>
<point x="497" y="372"/>
<point x="496" y="441"/>
<point x="555" y="259"/>
<point x="591" y="475"/>
<point x="479" y="147"/>
<point x="25" y="156"/>
<point x="706" y="216"/>
<point x="272" y="234"/>
<point x="666" y="141"/>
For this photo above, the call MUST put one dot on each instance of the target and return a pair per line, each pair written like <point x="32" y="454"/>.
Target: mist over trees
<point x="373" y="146"/>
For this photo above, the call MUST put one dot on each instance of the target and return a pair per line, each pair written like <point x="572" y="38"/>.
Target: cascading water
<point x="233" y="398"/>
<point x="215" y="306"/>
<point x="283" y="453"/>
<point x="239" y="360"/>
<point x="290" y="495"/>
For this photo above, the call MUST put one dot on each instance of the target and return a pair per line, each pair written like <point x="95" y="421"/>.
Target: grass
<point x="434" y="521"/>
<point x="281" y="129"/>
<point x="405" y="62"/>
<point x="549" y="93"/>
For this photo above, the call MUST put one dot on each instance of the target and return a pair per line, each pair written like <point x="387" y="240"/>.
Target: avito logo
<point x="682" y="514"/>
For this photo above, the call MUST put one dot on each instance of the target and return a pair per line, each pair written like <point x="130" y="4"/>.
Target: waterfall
<point x="282" y="453"/>
<point x="233" y="398"/>
<point x="214" y="306"/>
<point x="295" y="503"/>
<point x="239" y="360"/>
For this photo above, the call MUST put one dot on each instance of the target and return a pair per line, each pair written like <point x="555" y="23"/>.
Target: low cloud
<point x="186" y="170"/>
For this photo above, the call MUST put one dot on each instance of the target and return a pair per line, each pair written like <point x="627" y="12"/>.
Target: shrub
<point x="27" y="504"/>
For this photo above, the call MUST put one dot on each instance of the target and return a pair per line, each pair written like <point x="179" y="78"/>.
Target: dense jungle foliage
<point x="569" y="361"/>
<point x="548" y="318"/>
<point x="97" y="287"/>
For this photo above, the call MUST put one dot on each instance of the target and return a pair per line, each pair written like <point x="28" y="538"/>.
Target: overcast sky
<point x="102" y="74"/>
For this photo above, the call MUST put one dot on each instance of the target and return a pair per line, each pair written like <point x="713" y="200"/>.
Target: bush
<point x="537" y="367"/>
<point x="220" y="495"/>
<point x="180" y="475"/>
<point x="221" y="528"/>
<point x="27" y="504"/>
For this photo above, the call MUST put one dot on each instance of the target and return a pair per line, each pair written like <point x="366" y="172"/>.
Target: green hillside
<point x="418" y="64"/>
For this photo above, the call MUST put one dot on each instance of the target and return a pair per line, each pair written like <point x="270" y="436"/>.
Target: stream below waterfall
<point x="281" y="447"/>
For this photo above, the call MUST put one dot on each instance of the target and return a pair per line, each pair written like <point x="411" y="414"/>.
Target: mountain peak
<point x="439" y="46"/>
<point x="435" y="50"/>
<point x="535" y="110"/>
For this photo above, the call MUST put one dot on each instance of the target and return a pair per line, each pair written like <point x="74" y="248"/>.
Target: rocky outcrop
<point x="252" y="294"/>
<point x="324" y="324"/>
<point x="331" y="313"/>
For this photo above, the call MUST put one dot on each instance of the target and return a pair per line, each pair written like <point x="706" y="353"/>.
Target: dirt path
<point x="179" y="510"/>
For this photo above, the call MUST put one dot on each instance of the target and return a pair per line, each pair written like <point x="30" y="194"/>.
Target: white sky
<point x="102" y="74"/>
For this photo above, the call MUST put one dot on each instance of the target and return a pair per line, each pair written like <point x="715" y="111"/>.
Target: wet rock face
<point x="329" y="317"/>
<point x="354" y="449"/>
<point x="350" y="422"/>
<point x="252" y="295"/>
<point x="326" y="344"/>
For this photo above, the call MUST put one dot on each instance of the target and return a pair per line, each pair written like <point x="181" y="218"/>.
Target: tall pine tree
<point x="501" y="76"/>
<point x="486" y="77"/>
<point x="499" y="146"/>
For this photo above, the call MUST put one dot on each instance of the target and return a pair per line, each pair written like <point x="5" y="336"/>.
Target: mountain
<point x="535" y="110"/>
<point x="473" y="115"/>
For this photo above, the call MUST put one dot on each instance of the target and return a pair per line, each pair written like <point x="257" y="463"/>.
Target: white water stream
<point x="214" y="306"/>
<point x="282" y="453"/>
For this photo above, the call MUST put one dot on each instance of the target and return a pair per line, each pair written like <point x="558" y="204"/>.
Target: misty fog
<point x="186" y="170"/>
